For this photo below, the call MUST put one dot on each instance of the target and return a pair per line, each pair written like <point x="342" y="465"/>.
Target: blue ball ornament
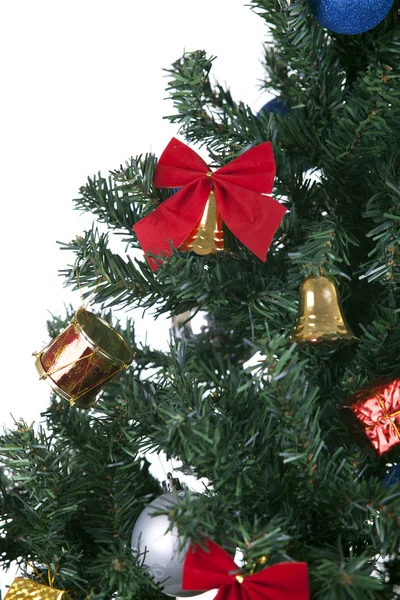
<point x="276" y="105"/>
<point x="393" y="477"/>
<point x="350" y="16"/>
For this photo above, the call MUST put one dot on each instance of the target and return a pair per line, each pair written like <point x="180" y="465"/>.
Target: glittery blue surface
<point x="393" y="477"/>
<point x="350" y="16"/>
<point x="276" y="105"/>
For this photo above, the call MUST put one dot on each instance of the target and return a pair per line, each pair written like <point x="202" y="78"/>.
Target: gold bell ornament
<point x="23" y="589"/>
<point x="207" y="236"/>
<point x="320" y="317"/>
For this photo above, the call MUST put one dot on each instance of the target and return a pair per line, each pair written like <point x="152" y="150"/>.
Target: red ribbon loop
<point x="239" y="191"/>
<point x="206" y="570"/>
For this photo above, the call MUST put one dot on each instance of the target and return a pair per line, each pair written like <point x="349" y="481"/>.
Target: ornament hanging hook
<point x="84" y="305"/>
<point x="171" y="483"/>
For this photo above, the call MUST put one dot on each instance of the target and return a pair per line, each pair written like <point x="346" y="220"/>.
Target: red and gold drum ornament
<point x="83" y="358"/>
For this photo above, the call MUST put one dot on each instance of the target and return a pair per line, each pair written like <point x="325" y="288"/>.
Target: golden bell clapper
<point x="320" y="317"/>
<point x="207" y="236"/>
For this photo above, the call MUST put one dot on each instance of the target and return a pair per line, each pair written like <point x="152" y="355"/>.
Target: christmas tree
<point x="291" y="475"/>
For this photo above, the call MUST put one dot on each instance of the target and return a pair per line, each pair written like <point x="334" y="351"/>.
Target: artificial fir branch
<point x="285" y="478"/>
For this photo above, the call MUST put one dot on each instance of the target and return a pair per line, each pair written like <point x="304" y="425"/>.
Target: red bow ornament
<point x="239" y="189"/>
<point x="206" y="570"/>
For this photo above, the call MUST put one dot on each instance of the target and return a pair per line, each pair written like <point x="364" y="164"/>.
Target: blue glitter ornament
<point x="393" y="477"/>
<point x="276" y="105"/>
<point x="350" y="16"/>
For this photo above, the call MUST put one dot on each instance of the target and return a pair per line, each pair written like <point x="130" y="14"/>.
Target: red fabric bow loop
<point x="239" y="191"/>
<point x="206" y="570"/>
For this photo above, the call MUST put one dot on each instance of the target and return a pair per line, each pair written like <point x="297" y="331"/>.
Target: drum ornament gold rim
<point x="93" y="346"/>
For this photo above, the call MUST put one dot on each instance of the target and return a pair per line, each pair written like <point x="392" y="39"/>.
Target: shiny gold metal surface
<point x="320" y="317"/>
<point x="22" y="588"/>
<point x="102" y="338"/>
<point x="207" y="236"/>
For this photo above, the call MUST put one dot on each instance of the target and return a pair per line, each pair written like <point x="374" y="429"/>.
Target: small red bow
<point x="205" y="571"/>
<point x="239" y="187"/>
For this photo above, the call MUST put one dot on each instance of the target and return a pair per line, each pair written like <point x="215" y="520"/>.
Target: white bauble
<point x="163" y="557"/>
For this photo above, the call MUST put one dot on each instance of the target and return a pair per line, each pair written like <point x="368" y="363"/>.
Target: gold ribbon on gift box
<point x="22" y="588"/>
<point x="386" y="417"/>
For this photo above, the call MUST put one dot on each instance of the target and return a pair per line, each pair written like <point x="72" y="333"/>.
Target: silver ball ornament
<point x="163" y="557"/>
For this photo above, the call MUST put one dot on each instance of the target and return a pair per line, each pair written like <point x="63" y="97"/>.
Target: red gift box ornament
<point x="233" y="194"/>
<point x="213" y="568"/>
<point x="374" y="413"/>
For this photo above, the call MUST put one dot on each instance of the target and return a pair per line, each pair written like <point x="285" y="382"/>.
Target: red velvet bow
<point x="204" y="571"/>
<point x="239" y="187"/>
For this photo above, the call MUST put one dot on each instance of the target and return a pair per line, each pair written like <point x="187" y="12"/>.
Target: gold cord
<point x="386" y="417"/>
<point x="51" y="578"/>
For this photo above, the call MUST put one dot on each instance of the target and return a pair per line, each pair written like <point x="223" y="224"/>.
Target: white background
<point x="82" y="89"/>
